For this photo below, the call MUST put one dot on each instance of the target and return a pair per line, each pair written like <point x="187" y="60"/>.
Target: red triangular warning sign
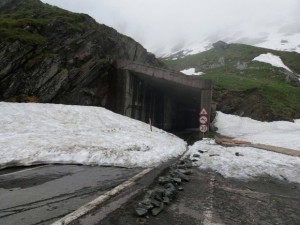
<point x="203" y="112"/>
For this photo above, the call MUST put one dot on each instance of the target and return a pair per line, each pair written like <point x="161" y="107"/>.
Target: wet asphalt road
<point x="210" y="199"/>
<point x="43" y="194"/>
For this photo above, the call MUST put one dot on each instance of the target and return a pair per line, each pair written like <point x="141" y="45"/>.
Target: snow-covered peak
<point x="272" y="59"/>
<point x="282" y="42"/>
<point x="275" y="39"/>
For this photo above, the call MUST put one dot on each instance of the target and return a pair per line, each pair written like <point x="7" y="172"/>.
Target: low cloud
<point x="161" y="24"/>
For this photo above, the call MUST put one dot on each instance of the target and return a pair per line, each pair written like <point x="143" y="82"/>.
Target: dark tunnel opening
<point x="166" y="106"/>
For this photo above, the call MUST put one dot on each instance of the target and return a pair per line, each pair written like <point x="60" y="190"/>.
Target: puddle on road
<point x="25" y="182"/>
<point x="16" y="169"/>
<point x="25" y="177"/>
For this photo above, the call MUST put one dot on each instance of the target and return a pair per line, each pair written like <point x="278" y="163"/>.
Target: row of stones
<point x="166" y="190"/>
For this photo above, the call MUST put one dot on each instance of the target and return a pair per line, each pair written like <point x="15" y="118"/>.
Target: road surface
<point x="43" y="194"/>
<point x="210" y="199"/>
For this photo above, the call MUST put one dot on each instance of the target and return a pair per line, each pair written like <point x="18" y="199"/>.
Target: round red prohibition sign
<point x="203" y="119"/>
<point x="203" y="128"/>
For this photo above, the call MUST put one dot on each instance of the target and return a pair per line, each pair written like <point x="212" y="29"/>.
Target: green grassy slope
<point x="235" y="53"/>
<point x="279" y="96"/>
<point x="29" y="24"/>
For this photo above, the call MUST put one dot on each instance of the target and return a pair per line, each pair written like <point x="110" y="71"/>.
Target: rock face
<point x="246" y="103"/>
<point x="241" y="65"/>
<point x="4" y="2"/>
<point x="52" y="55"/>
<point x="291" y="77"/>
<point x="220" y="45"/>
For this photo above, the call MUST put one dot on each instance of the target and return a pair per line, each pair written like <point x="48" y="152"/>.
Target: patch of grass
<point x="290" y="59"/>
<point x="21" y="35"/>
<point x="231" y="82"/>
<point x="26" y="21"/>
<point x="280" y="96"/>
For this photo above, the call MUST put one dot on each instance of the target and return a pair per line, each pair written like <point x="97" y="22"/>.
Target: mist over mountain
<point x="166" y="27"/>
<point x="48" y="54"/>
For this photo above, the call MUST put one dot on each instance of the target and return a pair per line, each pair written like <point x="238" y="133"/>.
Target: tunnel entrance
<point x="171" y="101"/>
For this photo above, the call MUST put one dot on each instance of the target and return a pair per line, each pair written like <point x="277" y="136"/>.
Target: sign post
<point x="205" y="107"/>
<point x="204" y="121"/>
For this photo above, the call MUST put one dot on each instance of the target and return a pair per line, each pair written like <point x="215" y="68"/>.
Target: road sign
<point x="203" y="128"/>
<point x="203" y="112"/>
<point x="203" y="119"/>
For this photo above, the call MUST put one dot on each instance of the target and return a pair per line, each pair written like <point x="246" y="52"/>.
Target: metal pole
<point x="150" y="124"/>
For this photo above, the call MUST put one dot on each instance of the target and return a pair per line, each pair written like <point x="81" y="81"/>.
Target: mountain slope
<point x="51" y="55"/>
<point x="246" y="87"/>
<point x="284" y="37"/>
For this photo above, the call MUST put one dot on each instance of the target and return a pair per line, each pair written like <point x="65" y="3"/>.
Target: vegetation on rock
<point x="30" y="24"/>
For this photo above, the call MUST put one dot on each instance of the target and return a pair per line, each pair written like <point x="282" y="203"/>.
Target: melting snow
<point x="272" y="59"/>
<point x="191" y="71"/>
<point x="47" y="133"/>
<point x="279" y="133"/>
<point x="34" y="133"/>
<point x="253" y="162"/>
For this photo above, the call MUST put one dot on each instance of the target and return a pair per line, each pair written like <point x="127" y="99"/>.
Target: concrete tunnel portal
<point x="170" y="99"/>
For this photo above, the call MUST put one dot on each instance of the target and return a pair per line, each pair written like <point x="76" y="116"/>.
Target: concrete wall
<point x="136" y="98"/>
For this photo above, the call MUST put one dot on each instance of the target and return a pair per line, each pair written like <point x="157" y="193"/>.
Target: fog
<point x="169" y="24"/>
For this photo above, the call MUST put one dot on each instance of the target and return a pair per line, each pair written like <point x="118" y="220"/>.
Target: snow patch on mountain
<point x="272" y="39"/>
<point x="191" y="71"/>
<point x="277" y="41"/>
<point x="190" y="48"/>
<point x="272" y="59"/>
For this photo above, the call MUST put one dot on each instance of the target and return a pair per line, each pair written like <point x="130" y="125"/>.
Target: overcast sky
<point x="159" y="23"/>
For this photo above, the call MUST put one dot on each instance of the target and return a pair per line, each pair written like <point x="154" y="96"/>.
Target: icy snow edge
<point x="279" y="133"/>
<point x="250" y="163"/>
<point x="52" y="133"/>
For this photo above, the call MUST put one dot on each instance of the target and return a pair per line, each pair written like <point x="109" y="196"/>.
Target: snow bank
<point x="272" y="59"/>
<point x="253" y="162"/>
<point x="280" y="133"/>
<point x="191" y="71"/>
<point x="250" y="164"/>
<point x="33" y="133"/>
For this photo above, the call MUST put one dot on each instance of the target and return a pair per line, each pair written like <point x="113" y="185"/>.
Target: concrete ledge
<point x="164" y="74"/>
